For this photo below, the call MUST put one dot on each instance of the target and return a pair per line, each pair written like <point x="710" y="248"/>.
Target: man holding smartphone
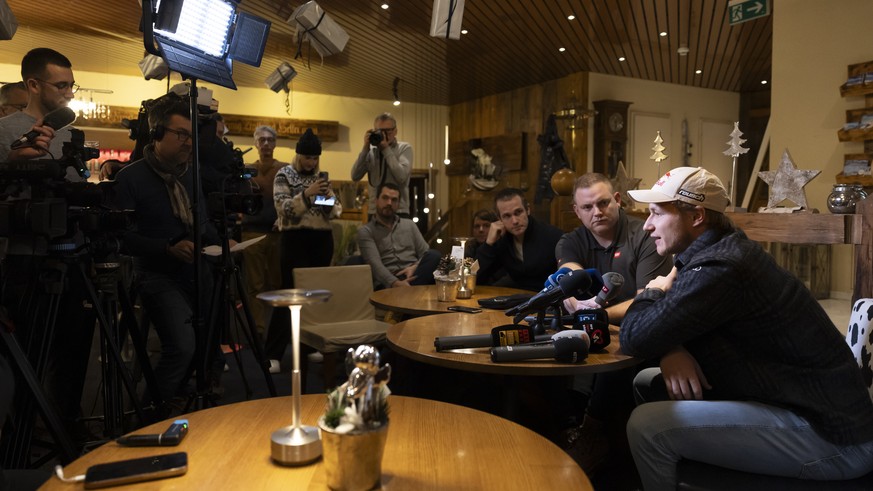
<point x="385" y="160"/>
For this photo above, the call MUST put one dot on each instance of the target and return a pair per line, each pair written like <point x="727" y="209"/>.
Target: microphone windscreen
<point x="570" y="349"/>
<point x="554" y="278"/>
<point x="575" y="281"/>
<point x="59" y="118"/>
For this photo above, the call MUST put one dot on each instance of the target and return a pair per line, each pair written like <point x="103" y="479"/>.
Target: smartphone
<point x="324" y="175"/>
<point x="136" y="470"/>
<point x="324" y="200"/>
<point x="460" y="308"/>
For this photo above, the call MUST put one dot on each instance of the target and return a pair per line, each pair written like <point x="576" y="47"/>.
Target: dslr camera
<point x="376" y="137"/>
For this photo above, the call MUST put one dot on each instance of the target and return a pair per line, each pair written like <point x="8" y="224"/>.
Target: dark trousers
<point x="300" y="248"/>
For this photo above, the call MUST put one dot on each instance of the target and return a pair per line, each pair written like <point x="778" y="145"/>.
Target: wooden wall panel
<point x="520" y="110"/>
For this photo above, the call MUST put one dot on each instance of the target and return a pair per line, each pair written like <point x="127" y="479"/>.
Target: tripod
<point x="229" y="303"/>
<point x="42" y="308"/>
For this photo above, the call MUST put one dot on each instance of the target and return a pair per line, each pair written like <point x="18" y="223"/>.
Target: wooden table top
<point x="431" y="445"/>
<point x="414" y="338"/>
<point x="422" y="299"/>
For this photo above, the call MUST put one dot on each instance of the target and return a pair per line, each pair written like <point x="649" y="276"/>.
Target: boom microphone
<point x="57" y="119"/>
<point x="568" y="346"/>
<point x="569" y="285"/>
<point x="612" y="283"/>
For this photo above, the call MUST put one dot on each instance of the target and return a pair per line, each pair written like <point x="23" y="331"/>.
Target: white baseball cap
<point x="694" y="185"/>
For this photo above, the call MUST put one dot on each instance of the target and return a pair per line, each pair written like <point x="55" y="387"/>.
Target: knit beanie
<point x="309" y="144"/>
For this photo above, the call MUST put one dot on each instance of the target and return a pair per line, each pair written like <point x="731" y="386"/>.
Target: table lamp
<point x="295" y="444"/>
<point x="464" y="291"/>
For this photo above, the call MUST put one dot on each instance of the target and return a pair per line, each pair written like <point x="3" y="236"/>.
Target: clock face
<point x="616" y="122"/>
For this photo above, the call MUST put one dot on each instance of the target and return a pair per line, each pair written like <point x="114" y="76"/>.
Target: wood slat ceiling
<point x="510" y="44"/>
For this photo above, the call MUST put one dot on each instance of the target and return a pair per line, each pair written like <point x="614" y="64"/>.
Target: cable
<point x="59" y="472"/>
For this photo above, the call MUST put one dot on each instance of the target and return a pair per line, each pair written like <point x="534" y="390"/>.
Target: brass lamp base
<point x="295" y="446"/>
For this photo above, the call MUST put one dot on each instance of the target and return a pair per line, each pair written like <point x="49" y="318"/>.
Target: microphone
<point x="612" y="283"/>
<point x="554" y="278"/>
<point x="568" y="346"/>
<point x="57" y="119"/>
<point x="570" y="284"/>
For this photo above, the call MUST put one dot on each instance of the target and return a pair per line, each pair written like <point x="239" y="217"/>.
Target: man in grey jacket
<point x="386" y="161"/>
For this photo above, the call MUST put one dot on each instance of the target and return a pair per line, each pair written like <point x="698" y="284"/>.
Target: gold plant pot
<point x="353" y="461"/>
<point x="447" y="289"/>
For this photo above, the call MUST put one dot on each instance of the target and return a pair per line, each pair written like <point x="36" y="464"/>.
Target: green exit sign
<point x="742" y="10"/>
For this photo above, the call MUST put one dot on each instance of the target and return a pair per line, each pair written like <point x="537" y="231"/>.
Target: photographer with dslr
<point x="305" y="204"/>
<point x="385" y="161"/>
<point x="159" y="188"/>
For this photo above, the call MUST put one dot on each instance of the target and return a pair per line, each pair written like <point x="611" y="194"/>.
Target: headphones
<point x="157" y="133"/>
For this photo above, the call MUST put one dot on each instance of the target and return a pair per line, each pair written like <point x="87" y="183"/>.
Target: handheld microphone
<point x="554" y="278"/>
<point x="443" y="343"/>
<point x="57" y="119"/>
<point x="568" y="346"/>
<point x="612" y="283"/>
<point x="569" y="285"/>
<point x="171" y="437"/>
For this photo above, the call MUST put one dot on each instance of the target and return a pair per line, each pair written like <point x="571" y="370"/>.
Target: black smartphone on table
<point x="136" y="470"/>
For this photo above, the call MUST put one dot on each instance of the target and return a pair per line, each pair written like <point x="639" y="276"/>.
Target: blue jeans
<point x="744" y="436"/>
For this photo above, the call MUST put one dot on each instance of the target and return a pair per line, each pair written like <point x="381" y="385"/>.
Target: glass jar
<point x="842" y="199"/>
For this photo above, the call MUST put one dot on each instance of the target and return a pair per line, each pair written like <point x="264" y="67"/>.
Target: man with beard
<point x="158" y="188"/>
<point x="394" y="247"/>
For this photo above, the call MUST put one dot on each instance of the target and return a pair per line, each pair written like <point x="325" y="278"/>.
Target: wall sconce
<point x="396" y="97"/>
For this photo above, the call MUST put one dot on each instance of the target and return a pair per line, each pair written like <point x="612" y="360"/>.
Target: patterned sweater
<point x="296" y="211"/>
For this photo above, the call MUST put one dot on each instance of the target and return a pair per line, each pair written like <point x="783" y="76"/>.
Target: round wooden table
<point x="431" y="445"/>
<point x="422" y="299"/>
<point x="414" y="338"/>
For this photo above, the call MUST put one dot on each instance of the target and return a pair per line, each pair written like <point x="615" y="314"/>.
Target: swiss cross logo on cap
<point x="662" y="181"/>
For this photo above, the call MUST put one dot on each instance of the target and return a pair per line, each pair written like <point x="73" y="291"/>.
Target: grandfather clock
<point x="610" y="136"/>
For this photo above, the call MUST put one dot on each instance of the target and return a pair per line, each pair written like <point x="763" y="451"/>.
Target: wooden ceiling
<point x="509" y="44"/>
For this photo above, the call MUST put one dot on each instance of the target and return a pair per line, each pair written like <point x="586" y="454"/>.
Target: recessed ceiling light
<point x="663" y="34"/>
<point x="384" y="6"/>
<point x="562" y="49"/>
<point x="571" y="17"/>
<point x="621" y="58"/>
<point x="763" y="82"/>
<point x="698" y="71"/>
<point x="463" y="31"/>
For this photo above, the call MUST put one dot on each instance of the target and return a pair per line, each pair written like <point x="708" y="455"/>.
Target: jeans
<point x="739" y="435"/>
<point x="168" y="303"/>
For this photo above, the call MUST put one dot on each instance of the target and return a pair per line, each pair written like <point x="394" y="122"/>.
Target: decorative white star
<point x="622" y="183"/>
<point x="787" y="182"/>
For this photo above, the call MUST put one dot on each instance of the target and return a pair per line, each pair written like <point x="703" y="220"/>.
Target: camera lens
<point x="376" y="138"/>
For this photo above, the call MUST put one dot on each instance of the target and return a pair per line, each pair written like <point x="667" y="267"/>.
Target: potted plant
<point x="354" y="427"/>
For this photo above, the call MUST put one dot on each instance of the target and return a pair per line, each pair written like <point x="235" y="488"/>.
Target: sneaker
<point x="275" y="367"/>
<point x="315" y="357"/>
<point x="588" y="444"/>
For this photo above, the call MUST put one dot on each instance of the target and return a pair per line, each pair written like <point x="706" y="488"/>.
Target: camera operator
<point x="261" y="260"/>
<point x="159" y="188"/>
<point x="305" y="204"/>
<point x="48" y="79"/>
<point x="385" y="160"/>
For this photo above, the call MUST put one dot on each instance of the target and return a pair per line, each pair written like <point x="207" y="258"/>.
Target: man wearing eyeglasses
<point x="159" y="188"/>
<point x="385" y="160"/>
<point x="48" y="79"/>
<point x="13" y="98"/>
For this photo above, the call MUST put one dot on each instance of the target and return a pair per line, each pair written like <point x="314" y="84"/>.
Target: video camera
<point x="40" y="206"/>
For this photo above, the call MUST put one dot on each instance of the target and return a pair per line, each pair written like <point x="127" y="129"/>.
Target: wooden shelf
<point x="864" y="180"/>
<point x="856" y="90"/>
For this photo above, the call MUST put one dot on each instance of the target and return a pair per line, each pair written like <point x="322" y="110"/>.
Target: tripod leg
<point x="254" y="339"/>
<point x="129" y="323"/>
<point x="115" y="352"/>
<point x="51" y="418"/>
